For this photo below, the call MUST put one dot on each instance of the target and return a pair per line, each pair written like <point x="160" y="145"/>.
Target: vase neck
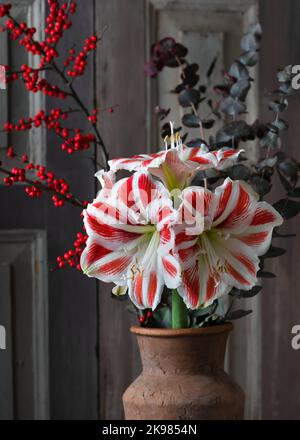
<point x="189" y="354"/>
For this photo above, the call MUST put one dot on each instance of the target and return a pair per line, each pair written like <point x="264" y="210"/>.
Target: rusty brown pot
<point x="183" y="376"/>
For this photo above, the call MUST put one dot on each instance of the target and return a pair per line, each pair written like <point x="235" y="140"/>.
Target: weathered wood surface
<point x="73" y="314"/>
<point x="281" y="297"/>
<point x="120" y="80"/>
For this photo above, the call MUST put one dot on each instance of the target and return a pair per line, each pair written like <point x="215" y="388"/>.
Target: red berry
<point x="142" y="319"/>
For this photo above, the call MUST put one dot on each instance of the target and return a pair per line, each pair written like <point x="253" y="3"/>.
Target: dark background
<point x="92" y="357"/>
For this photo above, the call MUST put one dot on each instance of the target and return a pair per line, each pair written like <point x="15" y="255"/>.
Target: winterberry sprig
<point x="72" y="256"/>
<point x="48" y="54"/>
<point x="80" y="62"/>
<point x="70" y="144"/>
<point x="46" y="181"/>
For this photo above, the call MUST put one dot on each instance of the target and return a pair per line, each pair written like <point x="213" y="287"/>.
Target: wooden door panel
<point x="24" y="313"/>
<point x="73" y="309"/>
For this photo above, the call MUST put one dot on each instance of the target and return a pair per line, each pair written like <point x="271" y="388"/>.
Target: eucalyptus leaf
<point x="280" y="124"/>
<point x="211" y="67"/>
<point x="252" y="292"/>
<point x="249" y="58"/>
<point x="191" y="120"/>
<point x="269" y="162"/>
<point x="240" y="89"/>
<point x="195" y="143"/>
<point x="232" y="106"/>
<point x="261" y="185"/>
<point x="278" y="106"/>
<point x="251" y="40"/>
<point x="255" y="29"/>
<point x="239" y="172"/>
<point x="288" y="169"/>
<point x="285" y="89"/>
<point x="274" y="252"/>
<point x="245" y="293"/>
<point x="187" y="97"/>
<point x="238" y="71"/>
<point x="287" y="208"/>
<point x="265" y="274"/>
<point x="208" y="123"/>
<point x="237" y="129"/>
<point x="271" y="140"/>
<point x="285" y="75"/>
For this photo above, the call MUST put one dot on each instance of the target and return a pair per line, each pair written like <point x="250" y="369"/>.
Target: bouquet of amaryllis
<point x="173" y="245"/>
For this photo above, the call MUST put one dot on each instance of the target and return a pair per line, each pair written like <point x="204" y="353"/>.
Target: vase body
<point x="183" y="377"/>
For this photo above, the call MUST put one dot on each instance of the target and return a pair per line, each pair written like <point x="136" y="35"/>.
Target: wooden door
<point x="50" y="366"/>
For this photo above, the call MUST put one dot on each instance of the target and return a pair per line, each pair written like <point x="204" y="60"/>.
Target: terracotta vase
<point x="183" y="376"/>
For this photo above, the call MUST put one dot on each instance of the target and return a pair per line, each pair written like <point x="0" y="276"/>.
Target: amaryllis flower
<point x="130" y="239"/>
<point x="222" y="252"/>
<point x="107" y="180"/>
<point x="177" y="166"/>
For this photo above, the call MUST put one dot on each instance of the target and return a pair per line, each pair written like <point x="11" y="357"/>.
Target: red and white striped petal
<point x="146" y="288"/>
<point x="196" y="209"/>
<point x="199" y="158"/>
<point x="183" y="237"/>
<point x="144" y="190"/>
<point x="160" y="212"/>
<point x="137" y="162"/>
<point x="104" y="264"/>
<point x="166" y="240"/>
<point x="265" y="216"/>
<point x="189" y="289"/>
<point x="106" y="210"/>
<point x="226" y="157"/>
<point x="201" y="284"/>
<point x="258" y="235"/>
<point x="170" y="267"/>
<point x="226" y="253"/>
<point x="234" y="207"/>
<point x="240" y="264"/>
<point x="173" y="171"/>
<point x="107" y="180"/>
<point x="211" y="284"/>
<point x="111" y="236"/>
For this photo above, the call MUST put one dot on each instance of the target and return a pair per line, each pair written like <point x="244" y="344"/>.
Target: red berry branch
<point x="36" y="178"/>
<point x="71" y="257"/>
<point x="46" y="181"/>
<point x="58" y="20"/>
<point x="70" y="144"/>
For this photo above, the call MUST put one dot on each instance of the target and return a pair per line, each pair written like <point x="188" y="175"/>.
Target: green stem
<point x="179" y="311"/>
